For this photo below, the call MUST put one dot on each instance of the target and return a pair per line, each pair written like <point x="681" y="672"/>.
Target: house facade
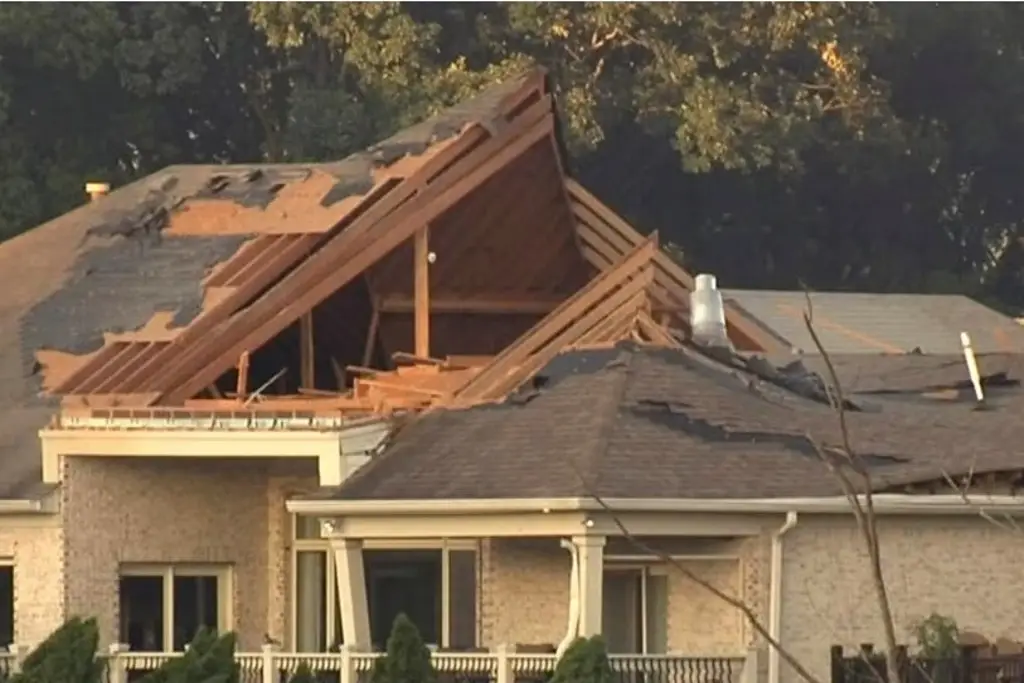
<point x="294" y="401"/>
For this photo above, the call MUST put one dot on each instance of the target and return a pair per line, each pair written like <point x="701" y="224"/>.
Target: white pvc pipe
<point x="573" y="628"/>
<point x="775" y="595"/>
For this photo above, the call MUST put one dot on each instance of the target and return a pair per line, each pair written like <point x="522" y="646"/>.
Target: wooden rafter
<point x="621" y="287"/>
<point x="421" y="289"/>
<point x="472" y="157"/>
<point x="605" y="236"/>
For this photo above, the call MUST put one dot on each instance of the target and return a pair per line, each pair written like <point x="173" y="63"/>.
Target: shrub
<point x="586" y="661"/>
<point x="209" y="659"/>
<point x="303" y="675"/>
<point x="68" y="655"/>
<point x="407" y="659"/>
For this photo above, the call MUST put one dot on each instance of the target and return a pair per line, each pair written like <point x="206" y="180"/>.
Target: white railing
<point x="503" y="665"/>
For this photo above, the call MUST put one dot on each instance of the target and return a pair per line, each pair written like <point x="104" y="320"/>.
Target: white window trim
<point x="225" y="591"/>
<point x="323" y="545"/>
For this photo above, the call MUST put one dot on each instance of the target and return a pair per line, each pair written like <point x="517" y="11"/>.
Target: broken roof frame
<point x="151" y="367"/>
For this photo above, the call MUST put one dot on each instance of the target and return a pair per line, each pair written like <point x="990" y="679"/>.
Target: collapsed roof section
<point x="479" y="195"/>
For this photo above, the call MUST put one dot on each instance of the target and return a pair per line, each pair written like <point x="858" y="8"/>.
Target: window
<point x="6" y="603"/>
<point x="162" y="608"/>
<point x="635" y="609"/>
<point x="433" y="583"/>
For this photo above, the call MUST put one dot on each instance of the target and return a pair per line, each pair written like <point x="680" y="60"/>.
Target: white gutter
<point x="775" y="595"/>
<point x="884" y="503"/>
<point x="22" y="506"/>
<point x="573" y="629"/>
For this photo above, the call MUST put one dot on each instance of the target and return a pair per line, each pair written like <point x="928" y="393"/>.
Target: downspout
<point x="775" y="595"/>
<point x="573" y="629"/>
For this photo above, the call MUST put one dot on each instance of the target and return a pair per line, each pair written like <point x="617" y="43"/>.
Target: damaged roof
<point x="109" y="266"/>
<point x="640" y="422"/>
<point x="855" y="322"/>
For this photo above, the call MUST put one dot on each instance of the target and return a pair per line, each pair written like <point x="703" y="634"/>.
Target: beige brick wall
<point x="525" y="597"/>
<point x="35" y="544"/>
<point x="961" y="567"/>
<point x="161" y="511"/>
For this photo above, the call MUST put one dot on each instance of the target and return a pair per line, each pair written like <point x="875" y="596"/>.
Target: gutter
<point x="775" y="594"/>
<point x="888" y="503"/>
<point x="22" y="506"/>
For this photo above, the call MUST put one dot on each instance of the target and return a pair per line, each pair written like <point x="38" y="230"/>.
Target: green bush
<point x="407" y="659"/>
<point x="209" y="659"/>
<point x="67" y="656"/>
<point x="586" y="661"/>
<point x="303" y="675"/>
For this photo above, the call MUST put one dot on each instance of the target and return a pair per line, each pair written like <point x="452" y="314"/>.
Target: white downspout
<point x="573" y="629"/>
<point x="775" y="595"/>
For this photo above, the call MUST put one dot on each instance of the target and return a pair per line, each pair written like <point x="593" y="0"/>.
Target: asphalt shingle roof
<point x="639" y="422"/>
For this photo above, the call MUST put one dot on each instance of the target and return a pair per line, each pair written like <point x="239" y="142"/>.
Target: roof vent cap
<point x="96" y="190"/>
<point x="707" y="312"/>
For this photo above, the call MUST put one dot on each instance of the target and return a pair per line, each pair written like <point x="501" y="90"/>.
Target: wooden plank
<point x="322" y="275"/>
<point x="630" y="294"/>
<point x="533" y="306"/>
<point x="560" y="318"/>
<point x="83" y="374"/>
<point x="371" y="335"/>
<point x="126" y="352"/>
<point x="421" y="289"/>
<point x="242" y="382"/>
<point x="609" y="330"/>
<point x="115" y="379"/>
<point x="307" y="352"/>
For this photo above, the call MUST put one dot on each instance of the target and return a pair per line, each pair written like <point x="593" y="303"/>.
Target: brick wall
<point x="35" y="544"/>
<point x="961" y="567"/>
<point x="162" y="511"/>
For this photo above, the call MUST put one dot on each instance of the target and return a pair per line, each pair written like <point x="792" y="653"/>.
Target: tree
<point x="68" y="655"/>
<point x="208" y="659"/>
<point x="407" y="659"/>
<point x="586" y="661"/>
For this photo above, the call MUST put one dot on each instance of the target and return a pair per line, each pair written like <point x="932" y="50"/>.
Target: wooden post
<point x="307" y="372"/>
<point x="242" y="384"/>
<point x="421" y="296"/>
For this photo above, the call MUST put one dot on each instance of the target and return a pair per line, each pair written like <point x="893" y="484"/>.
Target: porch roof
<point x="634" y="422"/>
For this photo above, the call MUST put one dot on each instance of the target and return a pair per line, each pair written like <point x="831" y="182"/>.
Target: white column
<point x="355" y="613"/>
<point x="591" y="583"/>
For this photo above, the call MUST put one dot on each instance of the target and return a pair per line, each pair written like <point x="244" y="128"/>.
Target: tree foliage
<point x="68" y="655"/>
<point x="844" y="145"/>
<point x="585" y="661"/>
<point x="406" y="659"/>
<point x="209" y="659"/>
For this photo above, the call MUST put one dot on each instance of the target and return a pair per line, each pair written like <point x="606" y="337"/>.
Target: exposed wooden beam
<point x="242" y="383"/>
<point x="479" y="305"/>
<point x="421" y="288"/>
<point x="371" y="334"/>
<point x="360" y="246"/>
<point x="307" y="352"/>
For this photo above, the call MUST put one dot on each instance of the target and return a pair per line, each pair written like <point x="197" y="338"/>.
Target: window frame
<point x="168" y="572"/>
<point x="8" y="563"/>
<point x="306" y="545"/>
<point x="646" y="571"/>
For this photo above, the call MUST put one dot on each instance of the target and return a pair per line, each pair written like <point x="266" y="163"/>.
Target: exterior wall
<point x="35" y="544"/>
<point x="959" y="567"/>
<point x="524" y="597"/>
<point x="175" y="511"/>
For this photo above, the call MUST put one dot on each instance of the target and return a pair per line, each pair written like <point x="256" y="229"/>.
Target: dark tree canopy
<point x="844" y="145"/>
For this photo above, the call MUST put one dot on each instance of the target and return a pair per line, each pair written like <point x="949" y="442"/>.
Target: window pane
<point x="403" y="581"/>
<point x="621" y="610"/>
<point x="142" y="612"/>
<point x="462" y="598"/>
<point x="311" y="601"/>
<point x="195" y="606"/>
<point x="6" y="605"/>
<point x="307" y="528"/>
<point x="657" y="614"/>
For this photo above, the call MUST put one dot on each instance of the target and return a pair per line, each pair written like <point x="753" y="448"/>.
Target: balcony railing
<point x="503" y="665"/>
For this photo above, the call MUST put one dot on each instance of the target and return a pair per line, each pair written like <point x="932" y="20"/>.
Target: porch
<point x="537" y="579"/>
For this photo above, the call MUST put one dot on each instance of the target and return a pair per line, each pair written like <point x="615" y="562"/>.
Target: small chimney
<point x="96" y="190"/>
<point x="707" y="313"/>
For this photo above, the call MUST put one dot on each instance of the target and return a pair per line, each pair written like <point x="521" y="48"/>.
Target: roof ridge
<point x="622" y="365"/>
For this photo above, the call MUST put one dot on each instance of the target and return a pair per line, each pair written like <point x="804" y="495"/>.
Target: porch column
<point x="591" y="550"/>
<point x="355" y="613"/>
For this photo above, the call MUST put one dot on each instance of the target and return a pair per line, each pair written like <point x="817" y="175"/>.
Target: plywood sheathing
<point x="605" y="237"/>
<point x="460" y="166"/>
